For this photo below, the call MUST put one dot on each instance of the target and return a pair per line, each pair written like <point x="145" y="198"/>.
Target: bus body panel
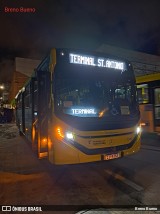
<point x="62" y="151"/>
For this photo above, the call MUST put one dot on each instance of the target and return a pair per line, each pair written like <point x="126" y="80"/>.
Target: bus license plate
<point x="111" y="156"/>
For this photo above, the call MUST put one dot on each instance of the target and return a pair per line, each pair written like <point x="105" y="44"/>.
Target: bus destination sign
<point x="96" y="61"/>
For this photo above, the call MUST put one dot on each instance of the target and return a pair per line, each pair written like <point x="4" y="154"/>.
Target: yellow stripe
<point x="148" y="78"/>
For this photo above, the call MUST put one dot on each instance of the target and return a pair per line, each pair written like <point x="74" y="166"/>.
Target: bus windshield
<point x="95" y="94"/>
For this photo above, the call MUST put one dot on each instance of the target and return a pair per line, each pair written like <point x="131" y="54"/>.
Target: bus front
<point x="96" y="115"/>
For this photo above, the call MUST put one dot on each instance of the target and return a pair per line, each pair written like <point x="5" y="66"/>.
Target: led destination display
<point x="81" y="111"/>
<point x="96" y="61"/>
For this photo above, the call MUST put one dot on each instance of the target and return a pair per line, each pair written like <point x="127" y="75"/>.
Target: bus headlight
<point x="69" y="135"/>
<point x="138" y="130"/>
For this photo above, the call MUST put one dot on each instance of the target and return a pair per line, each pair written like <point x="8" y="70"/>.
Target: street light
<point x="2" y="87"/>
<point x="1" y="92"/>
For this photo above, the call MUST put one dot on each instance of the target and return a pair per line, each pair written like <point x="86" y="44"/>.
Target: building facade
<point x="23" y="70"/>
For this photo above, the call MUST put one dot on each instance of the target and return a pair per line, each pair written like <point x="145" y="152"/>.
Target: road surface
<point x="131" y="182"/>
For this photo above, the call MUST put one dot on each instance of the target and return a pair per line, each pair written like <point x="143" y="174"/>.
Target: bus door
<point x="43" y="100"/>
<point x="20" y="116"/>
<point x="34" y="114"/>
<point x="157" y="109"/>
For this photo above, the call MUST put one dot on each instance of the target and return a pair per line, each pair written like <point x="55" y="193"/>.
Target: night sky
<point x="84" y="24"/>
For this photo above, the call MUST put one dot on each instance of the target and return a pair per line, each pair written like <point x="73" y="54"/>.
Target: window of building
<point x="157" y="103"/>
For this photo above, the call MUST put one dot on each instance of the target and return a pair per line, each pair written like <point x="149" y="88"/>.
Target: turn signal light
<point x="59" y="132"/>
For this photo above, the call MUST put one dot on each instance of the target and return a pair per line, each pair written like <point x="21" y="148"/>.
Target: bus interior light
<point x="35" y="113"/>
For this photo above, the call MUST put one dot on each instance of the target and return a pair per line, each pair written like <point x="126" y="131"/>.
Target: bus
<point x="79" y="107"/>
<point x="148" y="88"/>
